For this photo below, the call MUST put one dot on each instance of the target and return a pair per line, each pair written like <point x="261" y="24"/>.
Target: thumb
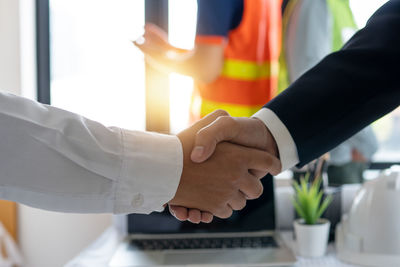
<point x="224" y="128"/>
<point x="157" y="31"/>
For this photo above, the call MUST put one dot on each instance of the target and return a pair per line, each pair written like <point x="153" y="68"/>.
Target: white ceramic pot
<point x="311" y="240"/>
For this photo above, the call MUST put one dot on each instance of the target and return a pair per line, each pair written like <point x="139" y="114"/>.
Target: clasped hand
<point x="224" y="160"/>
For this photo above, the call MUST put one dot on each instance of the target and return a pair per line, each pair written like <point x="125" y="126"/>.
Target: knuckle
<point x="240" y="204"/>
<point x="225" y="120"/>
<point x="214" y="210"/>
<point x="269" y="160"/>
<point x="207" y="218"/>
<point x="256" y="192"/>
<point x="226" y="213"/>
<point x="221" y="112"/>
<point x="223" y="211"/>
<point x="202" y="133"/>
<point x="243" y="204"/>
<point x="260" y="191"/>
<point x="234" y="186"/>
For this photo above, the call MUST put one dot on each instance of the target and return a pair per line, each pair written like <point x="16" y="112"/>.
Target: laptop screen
<point x="258" y="215"/>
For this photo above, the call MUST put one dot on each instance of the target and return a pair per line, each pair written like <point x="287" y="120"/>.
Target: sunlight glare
<point x="181" y="33"/>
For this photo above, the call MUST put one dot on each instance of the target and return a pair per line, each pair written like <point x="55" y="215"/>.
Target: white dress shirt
<point x="284" y="140"/>
<point x="57" y="160"/>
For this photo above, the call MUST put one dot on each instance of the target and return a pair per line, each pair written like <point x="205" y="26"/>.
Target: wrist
<point x="269" y="140"/>
<point x="284" y="141"/>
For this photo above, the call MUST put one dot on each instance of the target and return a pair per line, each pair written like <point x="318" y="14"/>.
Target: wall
<point x="9" y="46"/>
<point x="47" y="239"/>
<point x="51" y="239"/>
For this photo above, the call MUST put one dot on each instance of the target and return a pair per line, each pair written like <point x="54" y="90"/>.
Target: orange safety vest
<point x="249" y="77"/>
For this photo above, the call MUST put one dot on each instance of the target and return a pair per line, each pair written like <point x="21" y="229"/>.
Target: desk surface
<point x="100" y="252"/>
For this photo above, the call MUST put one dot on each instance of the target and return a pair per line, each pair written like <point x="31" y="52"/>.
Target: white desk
<point x="100" y="252"/>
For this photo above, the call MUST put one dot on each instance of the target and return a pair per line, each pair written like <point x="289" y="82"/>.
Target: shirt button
<point x="137" y="200"/>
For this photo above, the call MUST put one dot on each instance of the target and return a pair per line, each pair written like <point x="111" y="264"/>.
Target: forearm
<point x="181" y="63"/>
<point x="57" y="160"/>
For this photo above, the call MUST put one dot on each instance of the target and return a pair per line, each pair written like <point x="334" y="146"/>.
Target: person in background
<point x="235" y="59"/>
<point x="311" y="30"/>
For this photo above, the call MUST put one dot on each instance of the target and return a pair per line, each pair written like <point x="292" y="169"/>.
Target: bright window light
<point x="181" y="33"/>
<point x="95" y="69"/>
<point x="363" y="10"/>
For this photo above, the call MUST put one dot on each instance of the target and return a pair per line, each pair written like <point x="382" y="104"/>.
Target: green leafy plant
<point x="308" y="199"/>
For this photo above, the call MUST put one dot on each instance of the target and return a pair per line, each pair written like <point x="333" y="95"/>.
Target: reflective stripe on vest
<point x="247" y="70"/>
<point x="233" y="110"/>
<point x="250" y="71"/>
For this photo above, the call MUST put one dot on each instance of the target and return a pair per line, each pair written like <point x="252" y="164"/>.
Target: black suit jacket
<point x="347" y="90"/>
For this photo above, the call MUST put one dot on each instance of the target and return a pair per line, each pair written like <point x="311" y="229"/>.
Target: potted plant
<point x="311" y="230"/>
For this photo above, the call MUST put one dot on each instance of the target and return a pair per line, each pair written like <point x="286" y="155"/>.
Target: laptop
<point x="247" y="238"/>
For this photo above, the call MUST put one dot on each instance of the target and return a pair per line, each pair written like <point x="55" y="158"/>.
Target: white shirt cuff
<point x="286" y="146"/>
<point x="151" y="171"/>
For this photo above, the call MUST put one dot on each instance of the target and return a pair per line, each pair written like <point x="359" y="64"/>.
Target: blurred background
<point x="78" y="55"/>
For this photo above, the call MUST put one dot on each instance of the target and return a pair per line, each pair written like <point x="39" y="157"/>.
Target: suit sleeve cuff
<point x="151" y="170"/>
<point x="286" y="145"/>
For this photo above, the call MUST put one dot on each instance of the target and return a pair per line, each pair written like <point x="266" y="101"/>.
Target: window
<point x="95" y="69"/>
<point x="181" y="33"/>
<point x="93" y="61"/>
<point x="363" y="10"/>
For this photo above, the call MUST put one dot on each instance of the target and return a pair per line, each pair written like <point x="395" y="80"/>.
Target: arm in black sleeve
<point x="347" y="90"/>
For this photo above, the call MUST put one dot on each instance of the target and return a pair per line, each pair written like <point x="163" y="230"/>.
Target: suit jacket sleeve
<point x="347" y="90"/>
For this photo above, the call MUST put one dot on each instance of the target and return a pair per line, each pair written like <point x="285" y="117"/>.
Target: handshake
<point x="224" y="159"/>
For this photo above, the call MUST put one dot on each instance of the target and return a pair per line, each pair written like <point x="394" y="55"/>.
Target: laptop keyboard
<point x="204" y="243"/>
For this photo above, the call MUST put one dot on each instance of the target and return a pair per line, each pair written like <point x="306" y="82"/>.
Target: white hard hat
<point x="370" y="234"/>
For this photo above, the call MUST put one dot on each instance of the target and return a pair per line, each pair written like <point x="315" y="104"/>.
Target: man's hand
<point x="154" y="43"/>
<point x="249" y="132"/>
<point x="222" y="183"/>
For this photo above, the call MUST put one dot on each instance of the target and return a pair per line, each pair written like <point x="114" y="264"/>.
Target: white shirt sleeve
<point x="57" y="160"/>
<point x="286" y="145"/>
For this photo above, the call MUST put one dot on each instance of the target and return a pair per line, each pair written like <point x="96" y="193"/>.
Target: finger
<point x="194" y="216"/>
<point x="251" y="187"/>
<point x="210" y="118"/>
<point x="224" y="128"/>
<point x="155" y="40"/>
<point x="239" y="202"/>
<point x="258" y="174"/>
<point x="224" y="213"/>
<point x="179" y="212"/>
<point x="148" y="48"/>
<point x="152" y="28"/>
<point x="206" y="217"/>
<point x="263" y="162"/>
